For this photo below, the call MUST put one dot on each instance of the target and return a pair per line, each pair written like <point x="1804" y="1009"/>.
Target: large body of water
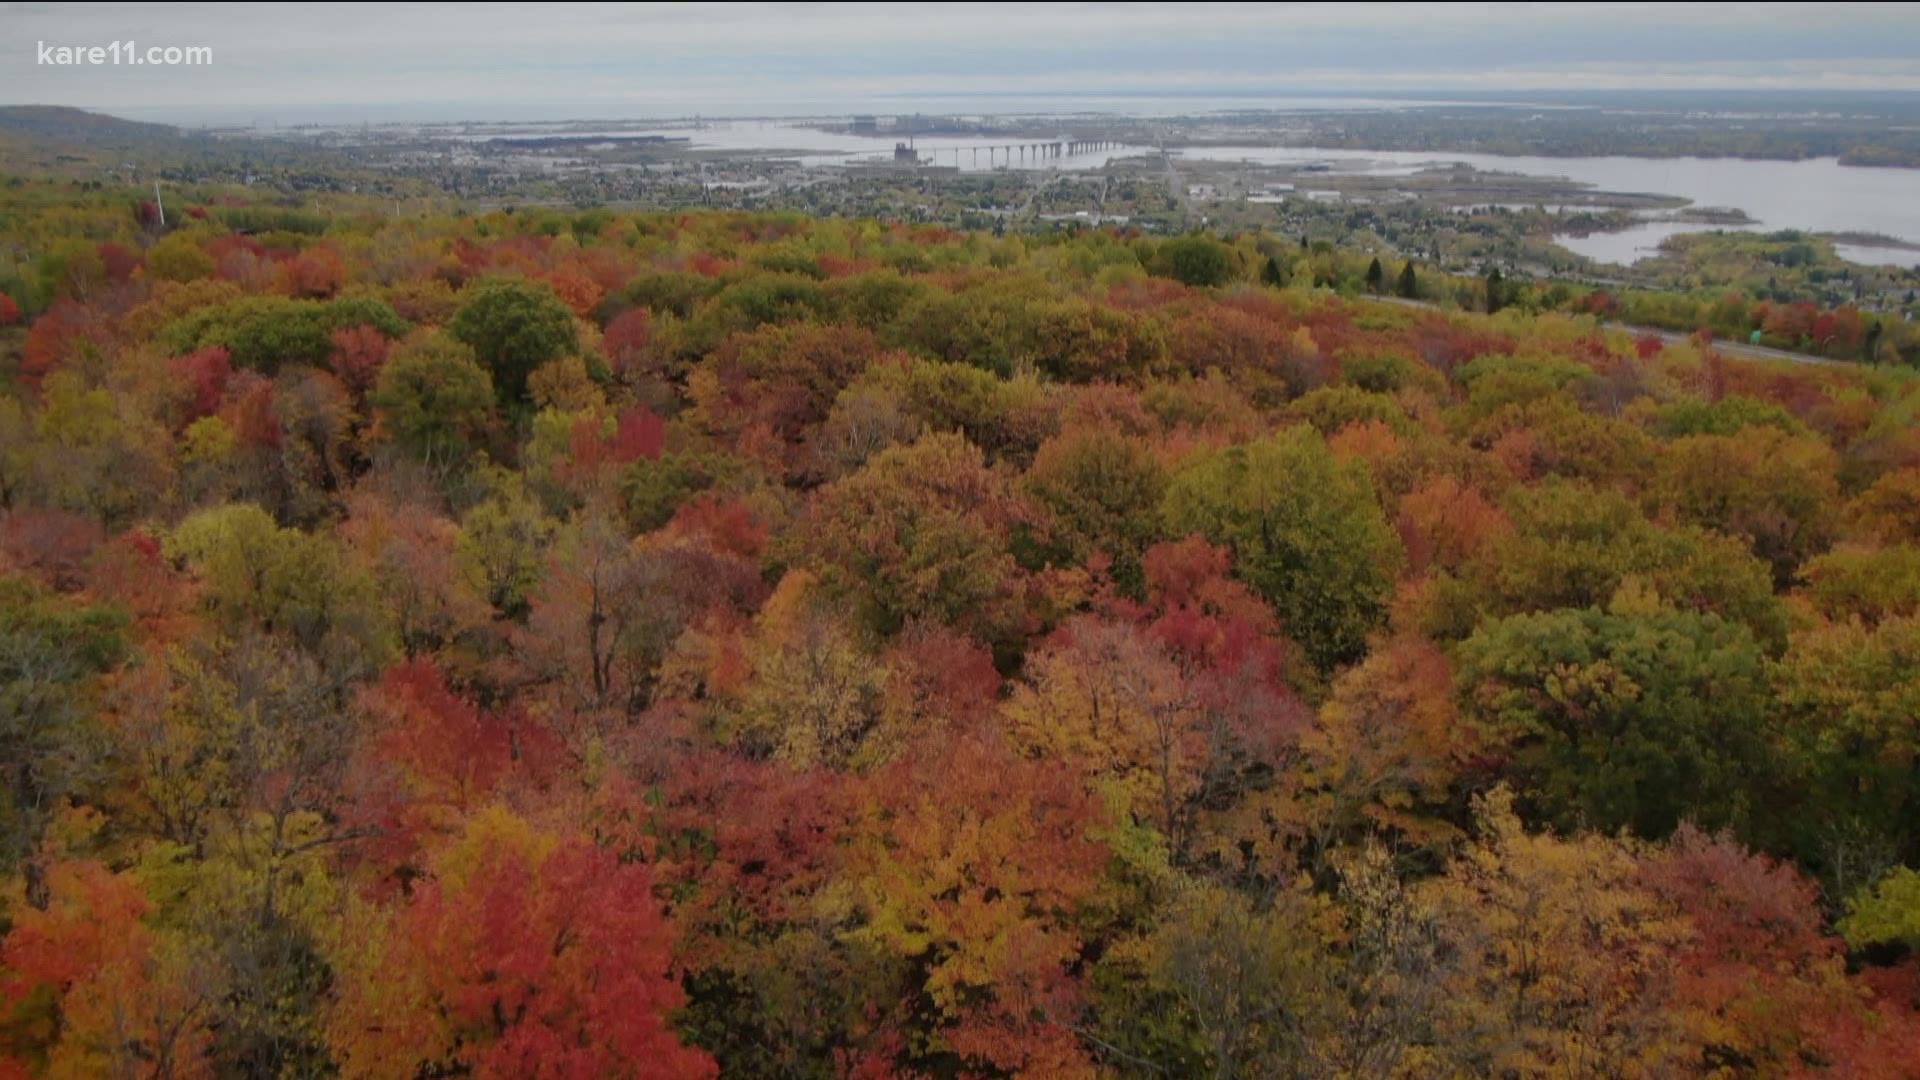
<point x="822" y="146"/>
<point x="1818" y="195"/>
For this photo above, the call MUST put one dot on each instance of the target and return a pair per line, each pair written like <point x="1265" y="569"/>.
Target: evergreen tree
<point x="1376" y="277"/>
<point x="1409" y="284"/>
<point x="1272" y="274"/>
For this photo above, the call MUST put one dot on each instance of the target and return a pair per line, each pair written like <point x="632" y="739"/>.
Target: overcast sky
<point x="674" y="59"/>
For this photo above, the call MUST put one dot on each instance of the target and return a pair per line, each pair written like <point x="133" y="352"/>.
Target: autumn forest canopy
<point x="578" y="644"/>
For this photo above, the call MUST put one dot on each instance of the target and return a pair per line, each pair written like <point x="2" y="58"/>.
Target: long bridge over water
<point x="1008" y="152"/>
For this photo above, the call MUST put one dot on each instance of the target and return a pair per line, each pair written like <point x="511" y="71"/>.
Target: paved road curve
<point x="1732" y="348"/>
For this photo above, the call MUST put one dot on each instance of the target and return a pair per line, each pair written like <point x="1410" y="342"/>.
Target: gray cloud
<point x="666" y="59"/>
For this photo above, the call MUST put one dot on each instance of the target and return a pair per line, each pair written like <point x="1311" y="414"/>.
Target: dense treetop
<point x="581" y="644"/>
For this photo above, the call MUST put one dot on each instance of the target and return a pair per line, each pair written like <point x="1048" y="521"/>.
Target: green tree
<point x="1409" y="283"/>
<point x="921" y="532"/>
<point x="1573" y="546"/>
<point x="1307" y="533"/>
<point x="1251" y="981"/>
<point x="179" y="257"/>
<point x="300" y="587"/>
<point x="1624" y="718"/>
<point x="1197" y="260"/>
<point x="1104" y="491"/>
<point x="435" y="400"/>
<point x="268" y="332"/>
<point x="502" y="549"/>
<point x="1725" y="416"/>
<point x="1272" y="274"/>
<point x="1849" y="711"/>
<point x="90" y="454"/>
<point x="652" y="490"/>
<point x="1376" y="277"/>
<point x="1888" y="913"/>
<point x="1779" y="491"/>
<point x="514" y="326"/>
<point x="51" y="651"/>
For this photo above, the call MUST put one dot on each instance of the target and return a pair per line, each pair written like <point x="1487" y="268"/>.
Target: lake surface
<point x="817" y="146"/>
<point x="1818" y="195"/>
<point x="1629" y="246"/>
<point x="968" y="153"/>
<point x="1878" y="256"/>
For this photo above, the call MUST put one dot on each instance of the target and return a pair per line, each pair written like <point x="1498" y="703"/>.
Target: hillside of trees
<point x="79" y="125"/>
<point x="552" y="644"/>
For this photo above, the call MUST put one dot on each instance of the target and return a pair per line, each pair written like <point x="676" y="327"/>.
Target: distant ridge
<point x="79" y="125"/>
